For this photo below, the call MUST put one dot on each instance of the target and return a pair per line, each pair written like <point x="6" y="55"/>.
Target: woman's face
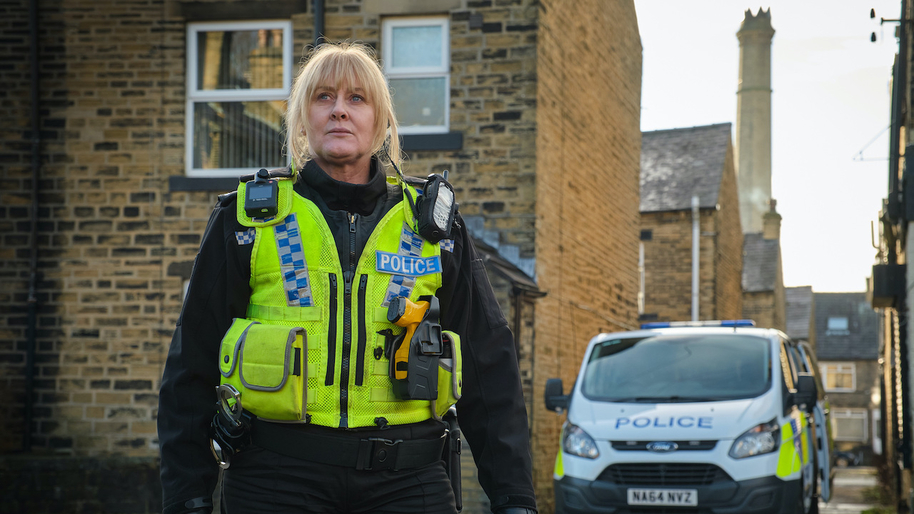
<point x="342" y="125"/>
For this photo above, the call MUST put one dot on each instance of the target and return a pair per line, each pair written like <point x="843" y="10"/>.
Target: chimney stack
<point x="753" y="119"/>
<point x="771" y="222"/>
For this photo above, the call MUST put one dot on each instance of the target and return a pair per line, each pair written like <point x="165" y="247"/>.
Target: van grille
<point x="663" y="474"/>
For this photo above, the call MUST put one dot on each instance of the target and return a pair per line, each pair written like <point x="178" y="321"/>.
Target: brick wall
<point x="728" y="261"/>
<point x="587" y="192"/>
<point x="668" y="266"/>
<point x="112" y="118"/>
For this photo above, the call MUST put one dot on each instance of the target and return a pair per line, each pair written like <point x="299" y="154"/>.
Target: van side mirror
<point x="555" y="399"/>
<point x="807" y="391"/>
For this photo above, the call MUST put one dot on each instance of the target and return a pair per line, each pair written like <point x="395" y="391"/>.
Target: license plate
<point x="674" y="497"/>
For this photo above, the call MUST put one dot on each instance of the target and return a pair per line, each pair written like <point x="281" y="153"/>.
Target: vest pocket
<point x="267" y="364"/>
<point x="450" y="374"/>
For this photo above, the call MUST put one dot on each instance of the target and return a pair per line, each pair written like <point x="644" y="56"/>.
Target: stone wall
<point x="588" y="160"/>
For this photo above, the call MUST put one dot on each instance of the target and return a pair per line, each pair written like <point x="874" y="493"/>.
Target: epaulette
<point x="226" y="198"/>
<point x="280" y="173"/>
<point x="416" y="182"/>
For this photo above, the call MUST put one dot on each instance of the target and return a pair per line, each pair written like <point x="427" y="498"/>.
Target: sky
<point x="831" y="100"/>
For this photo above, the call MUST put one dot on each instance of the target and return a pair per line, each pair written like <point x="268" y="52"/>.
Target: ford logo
<point x="662" y="447"/>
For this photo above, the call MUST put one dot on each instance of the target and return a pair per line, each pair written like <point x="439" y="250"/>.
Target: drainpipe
<point x="695" y="244"/>
<point x="33" y="228"/>
<point x="318" y="22"/>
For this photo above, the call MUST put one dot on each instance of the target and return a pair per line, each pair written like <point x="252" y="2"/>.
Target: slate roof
<point x="679" y="163"/>
<point x="799" y="309"/>
<point x="861" y="339"/>
<point x="760" y="263"/>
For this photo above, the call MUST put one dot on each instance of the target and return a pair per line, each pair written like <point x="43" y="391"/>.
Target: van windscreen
<point x="678" y="368"/>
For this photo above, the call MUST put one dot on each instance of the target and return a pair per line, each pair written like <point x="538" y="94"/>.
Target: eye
<point x="323" y="96"/>
<point x="358" y="98"/>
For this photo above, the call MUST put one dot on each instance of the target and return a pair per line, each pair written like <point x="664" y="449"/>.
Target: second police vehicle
<point x="707" y="417"/>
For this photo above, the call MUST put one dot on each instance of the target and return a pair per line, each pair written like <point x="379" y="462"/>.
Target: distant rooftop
<point x="679" y="163"/>
<point x="799" y="310"/>
<point x="847" y="327"/>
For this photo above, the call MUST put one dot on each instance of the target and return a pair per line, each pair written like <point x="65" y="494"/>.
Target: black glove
<point x="515" y="510"/>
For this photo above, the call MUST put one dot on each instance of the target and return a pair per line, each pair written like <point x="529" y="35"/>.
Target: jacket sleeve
<point x="491" y="412"/>
<point x="218" y="292"/>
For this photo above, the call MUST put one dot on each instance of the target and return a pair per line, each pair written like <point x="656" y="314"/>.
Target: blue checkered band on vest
<point x="245" y="237"/>
<point x="293" y="267"/>
<point x="402" y="285"/>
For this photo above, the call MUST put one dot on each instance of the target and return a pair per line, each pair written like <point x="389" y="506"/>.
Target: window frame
<point x="193" y="95"/>
<point x="823" y="371"/>
<point x="850" y="413"/>
<point x="443" y="71"/>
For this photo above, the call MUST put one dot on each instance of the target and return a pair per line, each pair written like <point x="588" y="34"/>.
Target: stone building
<point x="676" y="166"/>
<point x="764" y="299"/>
<point x="847" y="331"/>
<point x="109" y="182"/>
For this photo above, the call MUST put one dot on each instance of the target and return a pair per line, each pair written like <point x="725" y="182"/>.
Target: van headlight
<point x="757" y="440"/>
<point x="577" y="442"/>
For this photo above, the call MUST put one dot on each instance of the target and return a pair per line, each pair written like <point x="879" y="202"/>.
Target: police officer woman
<point x="289" y="308"/>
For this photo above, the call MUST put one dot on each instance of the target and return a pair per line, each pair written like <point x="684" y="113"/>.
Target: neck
<point x="356" y="172"/>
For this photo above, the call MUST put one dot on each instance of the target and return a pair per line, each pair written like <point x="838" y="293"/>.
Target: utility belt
<point x="234" y="430"/>
<point x="347" y="450"/>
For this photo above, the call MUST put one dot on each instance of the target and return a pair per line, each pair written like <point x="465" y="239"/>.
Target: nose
<point x="339" y="109"/>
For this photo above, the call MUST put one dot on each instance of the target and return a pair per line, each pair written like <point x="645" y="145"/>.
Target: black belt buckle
<point x="376" y="453"/>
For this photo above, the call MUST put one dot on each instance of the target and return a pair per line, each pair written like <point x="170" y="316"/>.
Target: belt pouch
<point x="450" y="371"/>
<point x="268" y="364"/>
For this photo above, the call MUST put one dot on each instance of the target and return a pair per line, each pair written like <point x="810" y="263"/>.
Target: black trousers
<point x="261" y="481"/>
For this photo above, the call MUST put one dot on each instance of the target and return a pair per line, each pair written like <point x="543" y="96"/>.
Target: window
<point x="837" y="326"/>
<point x="238" y="79"/>
<point x="416" y="58"/>
<point x="849" y="424"/>
<point x="838" y="376"/>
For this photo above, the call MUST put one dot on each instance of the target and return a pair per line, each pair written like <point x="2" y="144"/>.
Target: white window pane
<point x="851" y="428"/>
<point x="240" y="59"/>
<point x="416" y="46"/>
<point x="238" y="135"/>
<point x="420" y="101"/>
<point x="837" y="323"/>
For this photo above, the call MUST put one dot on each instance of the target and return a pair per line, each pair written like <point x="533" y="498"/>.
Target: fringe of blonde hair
<point x="338" y="65"/>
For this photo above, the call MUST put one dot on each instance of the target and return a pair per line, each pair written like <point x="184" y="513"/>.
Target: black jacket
<point x="492" y="414"/>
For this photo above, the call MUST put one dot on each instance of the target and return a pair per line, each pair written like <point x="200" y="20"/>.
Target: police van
<point x="706" y="417"/>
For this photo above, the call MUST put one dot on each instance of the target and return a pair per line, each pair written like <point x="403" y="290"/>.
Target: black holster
<point x="451" y="455"/>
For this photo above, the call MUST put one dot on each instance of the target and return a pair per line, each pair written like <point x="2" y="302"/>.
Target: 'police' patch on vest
<point x="397" y="264"/>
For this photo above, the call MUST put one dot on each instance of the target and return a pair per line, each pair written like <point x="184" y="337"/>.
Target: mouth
<point x="339" y="131"/>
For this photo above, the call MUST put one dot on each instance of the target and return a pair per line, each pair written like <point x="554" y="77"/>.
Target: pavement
<point x="848" y="495"/>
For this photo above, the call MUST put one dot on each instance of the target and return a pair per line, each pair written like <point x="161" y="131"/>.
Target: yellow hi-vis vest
<point x="310" y="349"/>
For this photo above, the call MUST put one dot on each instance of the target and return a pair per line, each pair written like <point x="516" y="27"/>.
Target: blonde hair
<point x="337" y="65"/>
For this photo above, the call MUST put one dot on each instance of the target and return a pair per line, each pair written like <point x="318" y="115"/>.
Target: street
<point x="848" y="496"/>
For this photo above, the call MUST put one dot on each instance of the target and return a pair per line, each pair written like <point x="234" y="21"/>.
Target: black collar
<point x="343" y="196"/>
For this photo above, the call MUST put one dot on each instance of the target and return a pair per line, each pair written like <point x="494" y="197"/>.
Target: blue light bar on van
<point x="715" y="323"/>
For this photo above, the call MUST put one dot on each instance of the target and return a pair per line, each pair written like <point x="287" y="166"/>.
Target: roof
<point x="679" y="163"/>
<point x="859" y="341"/>
<point x="799" y="310"/>
<point x="760" y="263"/>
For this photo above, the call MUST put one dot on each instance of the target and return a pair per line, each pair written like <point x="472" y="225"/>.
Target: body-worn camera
<point x="261" y="197"/>
<point x="437" y="209"/>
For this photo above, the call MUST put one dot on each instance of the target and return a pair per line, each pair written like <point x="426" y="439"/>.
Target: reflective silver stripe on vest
<point x="293" y="267"/>
<point x="402" y="285"/>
